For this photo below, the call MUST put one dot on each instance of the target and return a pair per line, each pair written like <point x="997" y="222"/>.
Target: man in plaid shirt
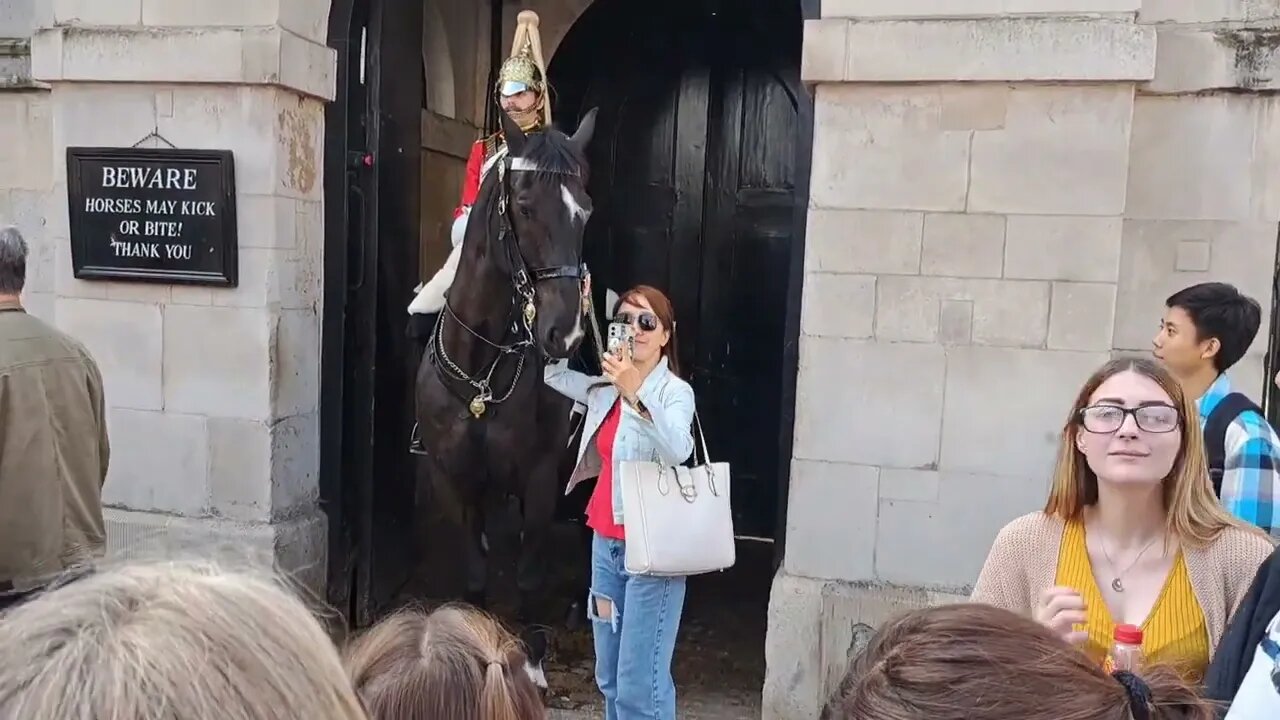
<point x="1206" y="329"/>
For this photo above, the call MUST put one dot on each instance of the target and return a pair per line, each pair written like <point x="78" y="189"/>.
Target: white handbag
<point x="678" y="520"/>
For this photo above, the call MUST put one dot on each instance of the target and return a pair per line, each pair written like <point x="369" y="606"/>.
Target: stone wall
<point x="212" y="393"/>
<point x="1003" y="194"/>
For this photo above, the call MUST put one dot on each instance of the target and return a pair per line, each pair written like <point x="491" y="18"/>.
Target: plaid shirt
<point x="1251" y="472"/>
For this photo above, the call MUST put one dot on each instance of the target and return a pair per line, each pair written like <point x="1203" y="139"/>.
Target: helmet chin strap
<point x="529" y="119"/>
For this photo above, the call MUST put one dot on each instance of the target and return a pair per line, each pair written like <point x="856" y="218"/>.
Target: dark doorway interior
<point x="696" y="167"/>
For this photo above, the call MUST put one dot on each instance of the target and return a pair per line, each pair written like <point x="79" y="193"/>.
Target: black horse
<point x="492" y="432"/>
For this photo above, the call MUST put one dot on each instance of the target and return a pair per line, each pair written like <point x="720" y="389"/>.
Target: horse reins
<point x="523" y="282"/>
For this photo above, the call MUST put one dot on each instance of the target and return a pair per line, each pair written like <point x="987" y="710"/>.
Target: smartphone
<point x="621" y="341"/>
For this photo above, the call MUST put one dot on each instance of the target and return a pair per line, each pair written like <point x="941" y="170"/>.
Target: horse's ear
<point x="512" y="133"/>
<point x="586" y="129"/>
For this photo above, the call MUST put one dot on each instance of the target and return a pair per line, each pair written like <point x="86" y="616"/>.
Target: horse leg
<point x="536" y="524"/>
<point x="477" y="557"/>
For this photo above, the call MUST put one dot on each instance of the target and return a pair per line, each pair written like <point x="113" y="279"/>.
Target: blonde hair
<point x="1194" y="515"/>
<point x="980" y="662"/>
<point x="170" y="641"/>
<point x="455" y="664"/>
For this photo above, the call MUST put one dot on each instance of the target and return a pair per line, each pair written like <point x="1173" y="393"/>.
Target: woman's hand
<point x="1060" y="608"/>
<point x="624" y="376"/>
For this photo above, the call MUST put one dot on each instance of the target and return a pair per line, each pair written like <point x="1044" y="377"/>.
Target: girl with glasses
<point x="1131" y="533"/>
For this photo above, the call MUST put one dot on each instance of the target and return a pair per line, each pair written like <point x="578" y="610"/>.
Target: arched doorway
<point x="699" y="180"/>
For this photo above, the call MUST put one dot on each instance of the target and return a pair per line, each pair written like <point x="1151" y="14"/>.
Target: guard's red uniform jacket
<point x="481" y="151"/>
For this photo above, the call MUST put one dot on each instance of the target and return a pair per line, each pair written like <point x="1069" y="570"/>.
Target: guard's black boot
<point x="420" y="326"/>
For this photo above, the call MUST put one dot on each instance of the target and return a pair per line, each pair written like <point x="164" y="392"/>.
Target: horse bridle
<point x="523" y="281"/>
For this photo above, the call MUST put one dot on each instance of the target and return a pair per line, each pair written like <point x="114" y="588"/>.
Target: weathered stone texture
<point x="1206" y="11"/>
<point x="26" y="156"/>
<point x="1040" y="247"/>
<point x="159" y="462"/>
<point x="106" y="13"/>
<point x="970" y="8"/>
<point x="230" y="378"/>
<point x="125" y="340"/>
<point x="831" y="533"/>
<point x="838" y="305"/>
<point x="1082" y="316"/>
<point x="1205" y="158"/>
<point x="992" y="49"/>
<point x="1008" y="312"/>
<point x="962" y="245"/>
<point x="854" y="241"/>
<point x="836" y="375"/>
<point x="1062" y="151"/>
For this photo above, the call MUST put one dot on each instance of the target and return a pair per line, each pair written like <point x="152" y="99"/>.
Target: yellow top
<point x="1174" y="633"/>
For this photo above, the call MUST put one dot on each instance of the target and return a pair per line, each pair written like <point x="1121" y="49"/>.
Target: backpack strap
<point x="1215" y="433"/>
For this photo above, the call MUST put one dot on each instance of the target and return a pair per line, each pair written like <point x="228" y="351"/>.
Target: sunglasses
<point x="646" y="321"/>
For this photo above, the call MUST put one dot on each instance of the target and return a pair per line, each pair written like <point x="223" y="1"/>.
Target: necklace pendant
<point x="529" y="312"/>
<point x="477" y="406"/>
<point x="1117" y="585"/>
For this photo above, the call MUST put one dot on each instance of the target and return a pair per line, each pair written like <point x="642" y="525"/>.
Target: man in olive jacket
<point x="53" y="444"/>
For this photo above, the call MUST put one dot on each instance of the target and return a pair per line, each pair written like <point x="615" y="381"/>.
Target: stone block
<point x="1005" y="312"/>
<point x="838" y="305"/>
<point x="311" y="20"/>
<point x="1249" y="376"/>
<point x="1205" y="11"/>
<point x="26" y="164"/>
<point x="960" y="245"/>
<point x="240" y="477"/>
<point x="1082" y="316"/>
<point x="114" y="115"/>
<point x="232" y="56"/>
<point x="217" y="361"/>
<point x="1241" y="253"/>
<point x="25" y="210"/>
<point x="295" y="548"/>
<point x="1202" y="59"/>
<point x="1193" y="256"/>
<point x="65" y="282"/>
<point x="969" y="107"/>
<point x="1041" y="247"/>
<point x="194" y="13"/>
<point x="879" y="147"/>
<point x="945" y="542"/>
<point x="823" y="57"/>
<point x="913" y="485"/>
<point x="1203" y="158"/>
<point x="42" y="305"/>
<point x="1055" y="138"/>
<point x="159" y="462"/>
<point x="96" y="12"/>
<point x="295" y="363"/>
<point x="955" y="322"/>
<point x="999" y="49"/>
<point x="793" y="678"/>
<point x="267" y="221"/>
<point x="295" y="462"/>
<point x="836" y="375"/>
<point x="832" y="505"/>
<point x="857" y="241"/>
<point x="239" y="119"/>
<point x="980" y="381"/>
<point x="970" y="8"/>
<point x="124" y="338"/>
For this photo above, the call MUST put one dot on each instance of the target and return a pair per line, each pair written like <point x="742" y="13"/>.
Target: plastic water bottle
<point x="1126" y="650"/>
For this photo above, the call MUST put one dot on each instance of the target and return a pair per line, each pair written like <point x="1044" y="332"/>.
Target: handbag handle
<point x="702" y="441"/>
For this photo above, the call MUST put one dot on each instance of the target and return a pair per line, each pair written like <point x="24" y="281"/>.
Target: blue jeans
<point x="635" y="642"/>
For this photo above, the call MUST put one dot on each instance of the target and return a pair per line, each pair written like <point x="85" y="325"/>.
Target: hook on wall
<point x="156" y="135"/>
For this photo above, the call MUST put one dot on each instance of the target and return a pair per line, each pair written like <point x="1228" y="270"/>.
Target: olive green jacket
<point x="53" y="452"/>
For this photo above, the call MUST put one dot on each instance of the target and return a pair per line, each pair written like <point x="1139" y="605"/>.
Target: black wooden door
<point x="694" y="184"/>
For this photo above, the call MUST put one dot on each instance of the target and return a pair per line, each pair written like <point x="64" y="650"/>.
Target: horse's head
<point x="548" y="208"/>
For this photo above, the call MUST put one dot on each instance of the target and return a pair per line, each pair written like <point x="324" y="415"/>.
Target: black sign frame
<point x="225" y="245"/>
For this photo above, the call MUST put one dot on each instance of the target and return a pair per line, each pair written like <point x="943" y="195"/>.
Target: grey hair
<point x="13" y="261"/>
<point x="171" y="640"/>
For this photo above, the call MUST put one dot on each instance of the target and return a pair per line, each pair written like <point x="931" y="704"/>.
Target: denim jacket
<point x="668" y="438"/>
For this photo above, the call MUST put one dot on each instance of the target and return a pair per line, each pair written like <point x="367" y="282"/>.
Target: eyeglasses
<point x="1157" y="418"/>
<point x="647" y="321"/>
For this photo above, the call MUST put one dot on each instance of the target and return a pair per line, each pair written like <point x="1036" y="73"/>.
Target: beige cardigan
<point x="1024" y="561"/>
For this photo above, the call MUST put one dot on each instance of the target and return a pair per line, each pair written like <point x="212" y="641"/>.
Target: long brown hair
<point x="455" y="664"/>
<point x="1194" y="515"/>
<point x="979" y="662"/>
<point x="662" y="307"/>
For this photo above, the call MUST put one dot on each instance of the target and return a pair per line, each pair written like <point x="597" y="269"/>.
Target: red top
<point x="471" y="185"/>
<point x="600" y="506"/>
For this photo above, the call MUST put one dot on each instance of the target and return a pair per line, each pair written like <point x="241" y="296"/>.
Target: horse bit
<point x="523" y="282"/>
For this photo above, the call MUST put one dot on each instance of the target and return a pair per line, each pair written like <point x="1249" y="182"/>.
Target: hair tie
<point x="1139" y="694"/>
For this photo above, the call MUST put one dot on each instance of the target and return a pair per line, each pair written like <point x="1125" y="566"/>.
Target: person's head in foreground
<point x="456" y="663"/>
<point x="170" y="641"/>
<point x="978" y="662"/>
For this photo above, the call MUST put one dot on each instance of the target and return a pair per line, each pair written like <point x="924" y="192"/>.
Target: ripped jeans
<point x="634" y="620"/>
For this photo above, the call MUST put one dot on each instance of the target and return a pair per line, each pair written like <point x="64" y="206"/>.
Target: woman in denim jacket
<point x="638" y="410"/>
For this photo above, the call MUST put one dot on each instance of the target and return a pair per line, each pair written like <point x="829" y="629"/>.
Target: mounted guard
<point x="521" y="92"/>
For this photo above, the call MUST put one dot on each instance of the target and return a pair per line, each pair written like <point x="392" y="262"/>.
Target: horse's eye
<point x="525" y="211"/>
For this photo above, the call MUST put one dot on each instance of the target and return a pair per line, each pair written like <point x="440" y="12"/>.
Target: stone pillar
<point x="964" y="247"/>
<point x="26" y="177"/>
<point x="213" y="393"/>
